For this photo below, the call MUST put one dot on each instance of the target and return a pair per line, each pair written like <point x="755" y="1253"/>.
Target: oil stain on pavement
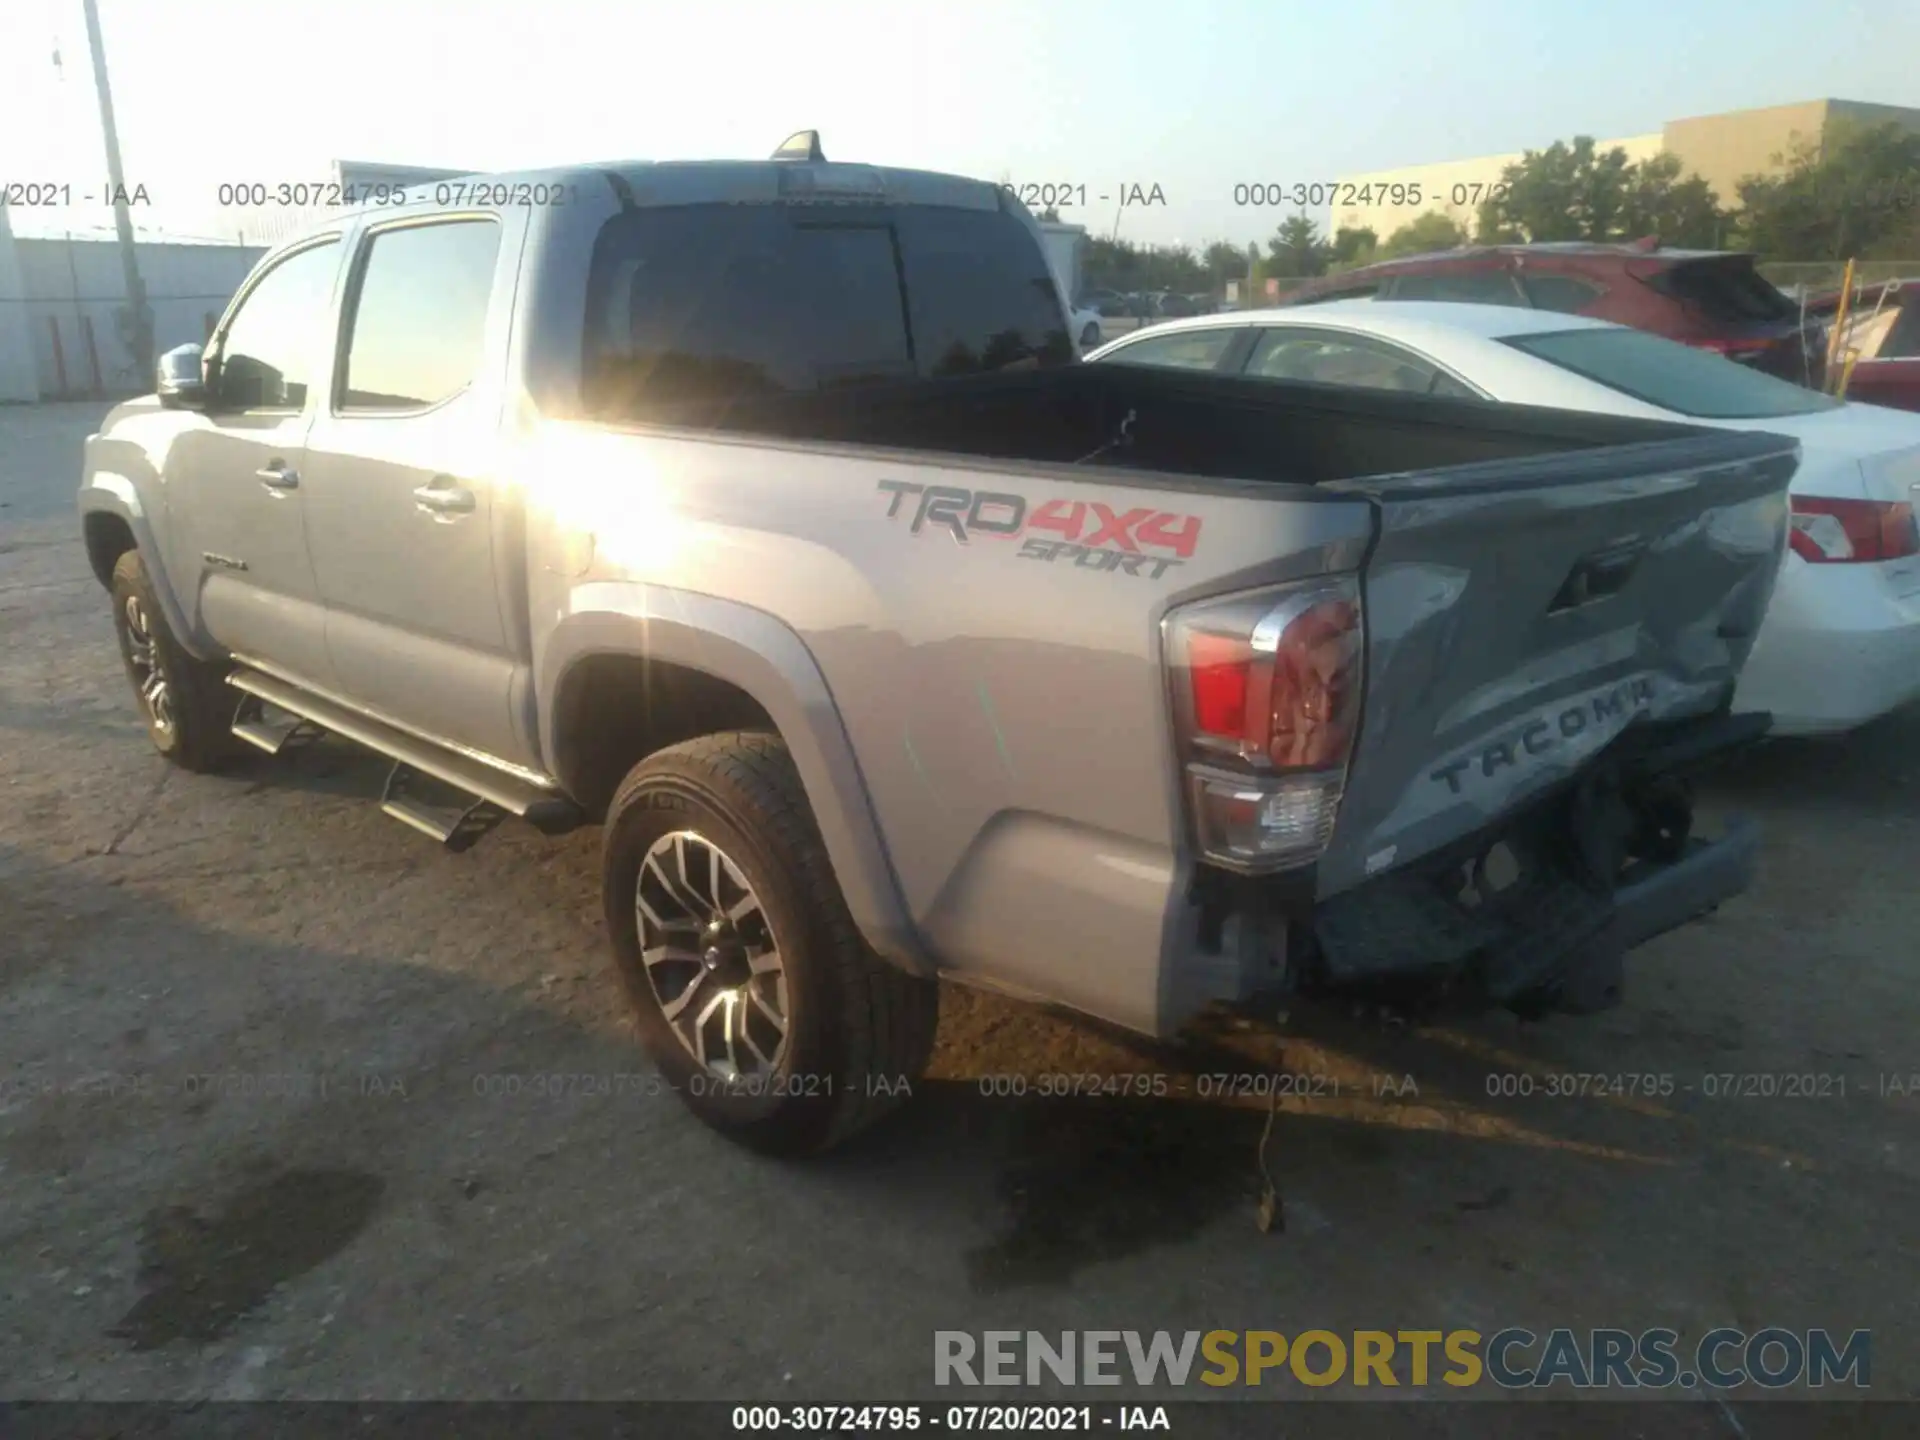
<point x="1083" y="1181"/>
<point x="201" y="1276"/>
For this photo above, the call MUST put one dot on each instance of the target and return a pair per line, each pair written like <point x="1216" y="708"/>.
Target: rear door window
<point x="1363" y="290"/>
<point x="419" y="319"/>
<point x="714" y="303"/>
<point x="1469" y="287"/>
<point x="1567" y="294"/>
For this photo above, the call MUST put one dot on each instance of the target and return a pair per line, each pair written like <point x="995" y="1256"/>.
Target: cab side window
<point x="419" y="320"/>
<point x="273" y="347"/>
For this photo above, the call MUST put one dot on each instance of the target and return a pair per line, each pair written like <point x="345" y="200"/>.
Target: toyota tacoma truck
<point x="760" y="513"/>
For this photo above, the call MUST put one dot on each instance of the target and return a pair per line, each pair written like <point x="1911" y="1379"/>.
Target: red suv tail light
<point x="1827" y="531"/>
<point x="1266" y="691"/>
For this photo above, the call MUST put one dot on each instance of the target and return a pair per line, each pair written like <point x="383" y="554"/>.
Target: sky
<point x="1193" y="97"/>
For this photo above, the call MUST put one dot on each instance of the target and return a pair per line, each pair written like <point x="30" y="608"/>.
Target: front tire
<point x="751" y="987"/>
<point x="185" y="701"/>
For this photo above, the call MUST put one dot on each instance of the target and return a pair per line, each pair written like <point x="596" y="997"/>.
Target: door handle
<point x="444" y="497"/>
<point x="278" y="477"/>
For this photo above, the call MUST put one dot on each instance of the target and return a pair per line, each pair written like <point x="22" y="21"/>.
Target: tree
<point x="1679" y="211"/>
<point x="1296" y="249"/>
<point x="1577" y="192"/>
<point x="1121" y="265"/>
<point x="1435" y="230"/>
<point x="1225" y="261"/>
<point x="1856" y="195"/>
<point x="1352" y="246"/>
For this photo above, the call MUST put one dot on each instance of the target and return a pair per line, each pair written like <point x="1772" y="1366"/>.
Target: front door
<point x="410" y="540"/>
<point x="234" y="479"/>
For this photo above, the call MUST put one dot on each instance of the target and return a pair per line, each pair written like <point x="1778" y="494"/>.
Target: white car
<point x="1841" y="642"/>
<point x="1086" y="329"/>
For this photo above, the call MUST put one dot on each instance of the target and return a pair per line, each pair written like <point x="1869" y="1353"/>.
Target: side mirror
<point x="181" y="381"/>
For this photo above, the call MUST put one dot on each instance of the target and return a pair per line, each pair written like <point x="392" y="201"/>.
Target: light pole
<point x="141" y="330"/>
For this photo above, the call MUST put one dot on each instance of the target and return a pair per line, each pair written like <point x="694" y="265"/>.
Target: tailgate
<point x="1520" y="614"/>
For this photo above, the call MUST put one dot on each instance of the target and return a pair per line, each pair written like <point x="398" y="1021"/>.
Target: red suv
<point x="1710" y="298"/>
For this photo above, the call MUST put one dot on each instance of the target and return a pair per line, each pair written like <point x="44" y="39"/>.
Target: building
<point x="17" y="378"/>
<point x="1066" y="246"/>
<point x="1722" y="149"/>
<point x="64" y="323"/>
<point x="70" y="314"/>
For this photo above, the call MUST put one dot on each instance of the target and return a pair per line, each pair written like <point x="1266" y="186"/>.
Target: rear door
<point x="1521" y="614"/>
<point x="405" y="522"/>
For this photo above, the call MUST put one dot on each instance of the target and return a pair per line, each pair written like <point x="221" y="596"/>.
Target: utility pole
<point x="141" y="332"/>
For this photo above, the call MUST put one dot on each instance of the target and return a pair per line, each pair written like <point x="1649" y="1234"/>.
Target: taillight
<point x="1828" y="531"/>
<point x="1266" y="703"/>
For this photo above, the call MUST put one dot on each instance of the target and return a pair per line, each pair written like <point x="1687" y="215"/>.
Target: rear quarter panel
<point x="1006" y="703"/>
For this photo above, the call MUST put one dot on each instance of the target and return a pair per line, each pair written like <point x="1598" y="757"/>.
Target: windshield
<point x="1694" y="383"/>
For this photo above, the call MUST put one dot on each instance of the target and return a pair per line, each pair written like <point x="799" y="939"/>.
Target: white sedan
<point x="1841" y="642"/>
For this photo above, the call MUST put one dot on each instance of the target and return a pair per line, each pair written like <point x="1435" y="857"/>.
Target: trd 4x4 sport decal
<point x="1092" y="535"/>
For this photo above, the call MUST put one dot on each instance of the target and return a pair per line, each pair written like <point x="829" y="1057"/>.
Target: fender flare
<point x="763" y="657"/>
<point x="108" y="493"/>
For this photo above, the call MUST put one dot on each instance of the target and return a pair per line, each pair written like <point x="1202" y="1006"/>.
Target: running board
<point x="485" y="785"/>
<point x="452" y="817"/>
<point x="272" y="734"/>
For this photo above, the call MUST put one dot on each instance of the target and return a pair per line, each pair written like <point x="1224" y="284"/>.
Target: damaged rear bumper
<point x="1670" y="895"/>
<point x="1590" y="873"/>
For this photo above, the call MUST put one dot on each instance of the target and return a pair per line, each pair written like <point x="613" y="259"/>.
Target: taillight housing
<point x="1266" y="701"/>
<point x="1831" y="531"/>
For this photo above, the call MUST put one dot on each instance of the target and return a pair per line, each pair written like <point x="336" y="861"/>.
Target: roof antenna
<point x="801" y="145"/>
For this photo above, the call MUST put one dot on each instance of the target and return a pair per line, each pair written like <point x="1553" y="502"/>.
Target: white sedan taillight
<point x="1266" y="697"/>
<point x="1828" y="531"/>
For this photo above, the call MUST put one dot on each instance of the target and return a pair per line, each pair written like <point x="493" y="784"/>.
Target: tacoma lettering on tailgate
<point x="1092" y="535"/>
<point x="1598" y="713"/>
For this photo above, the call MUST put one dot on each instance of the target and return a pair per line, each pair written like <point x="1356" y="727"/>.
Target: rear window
<point x="1675" y="377"/>
<point x="715" y="303"/>
<point x="1730" y="291"/>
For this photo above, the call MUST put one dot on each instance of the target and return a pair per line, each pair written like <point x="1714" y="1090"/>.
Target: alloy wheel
<point x="712" y="957"/>
<point x="149" y="679"/>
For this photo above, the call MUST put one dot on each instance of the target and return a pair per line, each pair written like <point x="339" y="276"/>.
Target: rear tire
<point x="185" y="701"/>
<point x="716" y="884"/>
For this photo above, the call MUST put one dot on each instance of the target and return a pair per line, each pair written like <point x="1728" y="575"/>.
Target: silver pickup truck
<point x="761" y="513"/>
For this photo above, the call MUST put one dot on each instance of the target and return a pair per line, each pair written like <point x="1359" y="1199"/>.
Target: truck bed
<point x="1215" y="427"/>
